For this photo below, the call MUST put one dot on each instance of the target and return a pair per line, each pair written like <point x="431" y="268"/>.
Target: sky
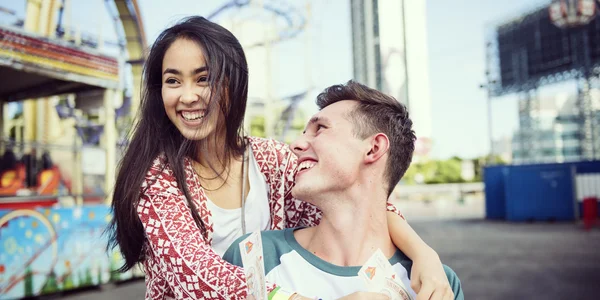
<point x="322" y="56"/>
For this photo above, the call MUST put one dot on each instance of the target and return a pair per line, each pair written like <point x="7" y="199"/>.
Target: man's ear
<point x="380" y="144"/>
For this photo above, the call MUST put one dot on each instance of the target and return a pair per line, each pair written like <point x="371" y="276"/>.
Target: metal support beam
<point x="110" y="139"/>
<point x="536" y="141"/>
<point x="586" y="120"/>
<point x="2" y="120"/>
<point x="529" y="126"/>
<point x="595" y="101"/>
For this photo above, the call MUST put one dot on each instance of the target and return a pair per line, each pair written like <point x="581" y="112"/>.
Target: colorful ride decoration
<point x="49" y="250"/>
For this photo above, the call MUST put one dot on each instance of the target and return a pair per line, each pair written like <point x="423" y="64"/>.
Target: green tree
<point x="447" y="171"/>
<point x="68" y="282"/>
<point x="99" y="276"/>
<point x="419" y="173"/>
<point x="28" y="282"/>
<point x="80" y="279"/>
<point x="115" y="262"/>
<point x="51" y="285"/>
<point x="88" y="277"/>
<point x="257" y="126"/>
<point x="484" y="161"/>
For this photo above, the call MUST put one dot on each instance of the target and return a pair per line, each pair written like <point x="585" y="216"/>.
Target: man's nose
<point x="299" y="145"/>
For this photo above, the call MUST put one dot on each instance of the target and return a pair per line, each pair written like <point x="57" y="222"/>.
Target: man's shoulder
<point x="274" y="246"/>
<point x="454" y="283"/>
<point x="268" y="237"/>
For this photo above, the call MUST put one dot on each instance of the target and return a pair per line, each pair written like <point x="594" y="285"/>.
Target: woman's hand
<point x="428" y="278"/>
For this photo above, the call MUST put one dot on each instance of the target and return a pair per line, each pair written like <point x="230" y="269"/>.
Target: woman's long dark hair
<point x="155" y="134"/>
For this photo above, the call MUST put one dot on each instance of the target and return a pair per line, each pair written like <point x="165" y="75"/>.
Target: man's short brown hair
<point x="377" y="113"/>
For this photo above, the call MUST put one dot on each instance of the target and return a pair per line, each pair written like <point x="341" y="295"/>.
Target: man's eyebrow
<point x="317" y="119"/>
<point x="314" y="119"/>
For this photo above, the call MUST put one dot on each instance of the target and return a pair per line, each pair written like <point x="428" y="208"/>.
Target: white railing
<point x="440" y="201"/>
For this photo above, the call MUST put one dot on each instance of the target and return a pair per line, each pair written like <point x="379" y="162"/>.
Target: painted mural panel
<point x="57" y="249"/>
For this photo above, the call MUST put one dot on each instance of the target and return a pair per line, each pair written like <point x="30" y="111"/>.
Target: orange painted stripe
<point x="39" y="43"/>
<point x="59" y="56"/>
<point x="58" y="65"/>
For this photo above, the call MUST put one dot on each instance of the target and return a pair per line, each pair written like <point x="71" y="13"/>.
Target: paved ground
<point x="498" y="260"/>
<point x="494" y="260"/>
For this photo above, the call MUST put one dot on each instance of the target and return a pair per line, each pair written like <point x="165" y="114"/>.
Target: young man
<point x="350" y="157"/>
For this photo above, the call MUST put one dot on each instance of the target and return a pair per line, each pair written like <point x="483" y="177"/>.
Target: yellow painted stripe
<point x="58" y="65"/>
<point x="64" y="57"/>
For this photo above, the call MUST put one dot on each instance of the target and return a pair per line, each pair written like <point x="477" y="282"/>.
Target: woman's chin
<point x="194" y="136"/>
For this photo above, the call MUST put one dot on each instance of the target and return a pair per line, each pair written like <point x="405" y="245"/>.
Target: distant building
<point x="557" y="138"/>
<point x="380" y="31"/>
<point x="467" y="170"/>
<point x="503" y="148"/>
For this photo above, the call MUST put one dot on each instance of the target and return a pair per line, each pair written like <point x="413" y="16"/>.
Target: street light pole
<point x="488" y="88"/>
<point x="405" y="56"/>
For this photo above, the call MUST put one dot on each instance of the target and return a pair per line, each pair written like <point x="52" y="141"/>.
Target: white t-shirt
<point x="228" y="222"/>
<point x="296" y="269"/>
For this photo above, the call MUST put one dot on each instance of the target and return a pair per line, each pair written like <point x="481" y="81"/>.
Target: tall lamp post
<point x="488" y="87"/>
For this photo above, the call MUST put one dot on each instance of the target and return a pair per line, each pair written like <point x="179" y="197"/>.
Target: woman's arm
<point x="190" y="266"/>
<point x="427" y="274"/>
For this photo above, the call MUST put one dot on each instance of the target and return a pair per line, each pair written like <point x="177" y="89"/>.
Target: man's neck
<point x="351" y="231"/>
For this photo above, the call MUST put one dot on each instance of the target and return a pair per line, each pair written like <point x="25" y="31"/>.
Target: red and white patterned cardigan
<point x="179" y="262"/>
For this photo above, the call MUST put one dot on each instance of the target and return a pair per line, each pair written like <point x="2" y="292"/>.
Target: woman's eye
<point x="203" y="79"/>
<point x="171" y="81"/>
<point x="319" y="127"/>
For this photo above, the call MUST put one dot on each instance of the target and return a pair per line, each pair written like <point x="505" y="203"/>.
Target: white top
<point x="301" y="271"/>
<point x="294" y="268"/>
<point x="228" y="222"/>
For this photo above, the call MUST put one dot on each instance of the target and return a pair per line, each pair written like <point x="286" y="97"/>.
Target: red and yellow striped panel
<point x="44" y="53"/>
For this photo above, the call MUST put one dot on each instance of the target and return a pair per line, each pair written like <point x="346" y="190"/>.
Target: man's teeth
<point x="191" y="116"/>
<point x="306" y="165"/>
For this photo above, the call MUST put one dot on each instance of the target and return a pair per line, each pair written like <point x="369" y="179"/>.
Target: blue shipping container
<point x="540" y="192"/>
<point x="495" y="200"/>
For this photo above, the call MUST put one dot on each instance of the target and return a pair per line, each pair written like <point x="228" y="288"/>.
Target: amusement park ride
<point x="51" y="222"/>
<point x="58" y="151"/>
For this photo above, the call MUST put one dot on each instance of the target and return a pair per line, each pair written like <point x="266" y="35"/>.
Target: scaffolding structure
<point x="287" y="20"/>
<point x="529" y="52"/>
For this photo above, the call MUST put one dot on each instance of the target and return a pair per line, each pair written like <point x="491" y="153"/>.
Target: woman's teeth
<point x="192" y="116"/>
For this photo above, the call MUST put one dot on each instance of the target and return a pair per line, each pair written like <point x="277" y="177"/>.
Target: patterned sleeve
<point x="189" y="265"/>
<point x="392" y="208"/>
<point x="300" y="213"/>
<point x="191" y="268"/>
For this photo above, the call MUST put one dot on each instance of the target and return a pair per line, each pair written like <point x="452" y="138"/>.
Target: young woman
<point x="190" y="183"/>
